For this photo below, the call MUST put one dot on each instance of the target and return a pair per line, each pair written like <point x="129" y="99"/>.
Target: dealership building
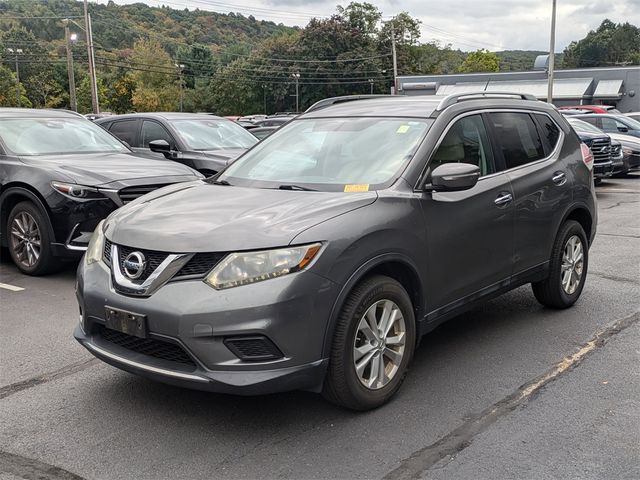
<point x="619" y="86"/>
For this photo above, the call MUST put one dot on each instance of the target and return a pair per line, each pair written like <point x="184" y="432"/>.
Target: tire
<point x="343" y="385"/>
<point x="35" y="257"/>
<point x="552" y="292"/>
<point x="597" y="181"/>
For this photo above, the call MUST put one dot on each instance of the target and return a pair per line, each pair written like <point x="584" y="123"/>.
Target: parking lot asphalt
<point x="508" y="390"/>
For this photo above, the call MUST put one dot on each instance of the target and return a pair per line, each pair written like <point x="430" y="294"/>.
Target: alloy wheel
<point x="379" y="344"/>
<point x="572" y="264"/>
<point x="26" y="241"/>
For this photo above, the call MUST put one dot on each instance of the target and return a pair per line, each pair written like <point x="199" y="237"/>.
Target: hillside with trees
<point x="159" y="58"/>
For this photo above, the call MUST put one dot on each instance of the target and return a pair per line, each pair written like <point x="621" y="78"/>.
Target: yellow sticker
<point x="403" y="129"/>
<point x="356" y="187"/>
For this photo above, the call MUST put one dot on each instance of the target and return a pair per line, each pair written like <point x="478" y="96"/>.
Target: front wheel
<point x="567" y="268"/>
<point x="373" y="344"/>
<point x="29" y="243"/>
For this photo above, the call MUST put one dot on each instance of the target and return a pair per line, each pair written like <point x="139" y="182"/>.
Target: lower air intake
<point x="254" y="348"/>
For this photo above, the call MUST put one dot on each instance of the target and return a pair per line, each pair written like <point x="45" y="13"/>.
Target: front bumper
<point x="291" y="311"/>
<point x="603" y="169"/>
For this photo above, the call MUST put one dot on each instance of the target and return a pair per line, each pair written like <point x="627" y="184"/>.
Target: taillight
<point x="587" y="156"/>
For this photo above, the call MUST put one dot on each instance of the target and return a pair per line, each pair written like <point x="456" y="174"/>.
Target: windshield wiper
<point x="219" y="182"/>
<point x="296" y="187"/>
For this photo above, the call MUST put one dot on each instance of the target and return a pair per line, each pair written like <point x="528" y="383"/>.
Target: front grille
<point x="615" y="150"/>
<point x="256" y="348"/>
<point x="200" y="264"/>
<point x="147" y="346"/>
<point x="601" y="150"/>
<point x="129" y="194"/>
<point x="107" y="252"/>
<point x="152" y="258"/>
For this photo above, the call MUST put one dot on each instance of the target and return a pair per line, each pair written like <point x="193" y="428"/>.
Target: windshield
<point x="583" y="126"/>
<point x="213" y="134"/>
<point x="47" y="136"/>
<point x="334" y="154"/>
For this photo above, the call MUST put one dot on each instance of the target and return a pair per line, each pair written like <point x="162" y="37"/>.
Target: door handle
<point x="503" y="198"/>
<point x="559" y="178"/>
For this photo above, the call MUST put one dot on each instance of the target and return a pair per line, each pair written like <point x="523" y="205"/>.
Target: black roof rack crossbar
<point x="457" y="97"/>
<point x="327" y="102"/>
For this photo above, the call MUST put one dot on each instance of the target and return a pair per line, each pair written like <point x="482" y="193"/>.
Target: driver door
<point x="469" y="233"/>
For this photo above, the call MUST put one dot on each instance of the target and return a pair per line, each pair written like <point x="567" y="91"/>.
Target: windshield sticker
<point x="403" y="129"/>
<point x="356" y="187"/>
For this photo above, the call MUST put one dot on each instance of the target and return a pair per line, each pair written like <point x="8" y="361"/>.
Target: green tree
<point x="83" y="95"/>
<point x="156" y="78"/>
<point x="8" y="90"/>
<point x="120" y="93"/>
<point x="610" y="44"/>
<point x="480" y="61"/>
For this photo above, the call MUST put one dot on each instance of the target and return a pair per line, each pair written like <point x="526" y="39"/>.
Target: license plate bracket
<point x="126" y="322"/>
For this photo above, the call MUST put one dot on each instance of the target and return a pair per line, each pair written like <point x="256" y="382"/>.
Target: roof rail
<point x="457" y="97"/>
<point x="327" y="102"/>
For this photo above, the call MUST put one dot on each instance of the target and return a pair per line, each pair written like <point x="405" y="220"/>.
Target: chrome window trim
<point x="555" y="151"/>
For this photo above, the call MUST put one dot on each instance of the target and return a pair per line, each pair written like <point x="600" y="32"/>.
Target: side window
<point x="609" y="124"/>
<point x="591" y="120"/>
<point x="549" y="131"/>
<point x="125" y="130"/>
<point x="154" y="131"/>
<point x="466" y="142"/>
<point x="517" y="137"/>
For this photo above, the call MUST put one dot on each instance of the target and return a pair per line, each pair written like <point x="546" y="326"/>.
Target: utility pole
<point x="552" y="48"/>
<point x="181" y="67"/>
<point x="92" y="65"/>
<point x="296" y="76"/>
<point x="264" y="98"/>
<point x="16" y="52"/>
<point x="395" y="60"/>
<point x="371" y="83"/>
<point x="72" y="81"/>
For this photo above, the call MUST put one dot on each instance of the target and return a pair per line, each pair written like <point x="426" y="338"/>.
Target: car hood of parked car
<point x="101" y="169"/>
<point x="202" y="217"/>
<point x="589" y="137"/>
<point x="626" y="140"/>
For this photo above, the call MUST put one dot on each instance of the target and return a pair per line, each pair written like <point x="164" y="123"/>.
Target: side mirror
<point x="623" y="129"/>
<point x="453" y="177"/>
<point x="160" y="146"/>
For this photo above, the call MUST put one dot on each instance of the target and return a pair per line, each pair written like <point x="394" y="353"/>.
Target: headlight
<point x="78" y="192"/>
<point x="627" y="151"/>
<point x="95" y="249"/>
<point x="249" y="267"/>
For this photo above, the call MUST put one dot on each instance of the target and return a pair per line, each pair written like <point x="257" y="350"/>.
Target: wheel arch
<point x="14" y="193"/>
<point x="580" y="214"/>
<point x="394" y="265"/>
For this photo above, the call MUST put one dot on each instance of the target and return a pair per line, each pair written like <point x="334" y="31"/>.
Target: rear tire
<point x="28" y="240"/>
<point x="567" y="268"/>
<point x="368" y="364"/>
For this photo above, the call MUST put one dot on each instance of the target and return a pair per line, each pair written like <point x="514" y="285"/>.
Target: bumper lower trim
<point x="142" y="366"/>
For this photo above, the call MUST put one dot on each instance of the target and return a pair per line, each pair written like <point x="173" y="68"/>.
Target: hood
<point x="626" y="140"/>
<point x="201" y="217"/>
<point x="101" y="169"/>
<point x="226" y="155"/>
<point x="589" y="137"/>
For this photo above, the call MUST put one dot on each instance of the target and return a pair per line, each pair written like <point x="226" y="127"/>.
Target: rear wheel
<point x="373" y="344"/>
<point x="567" y="268"/>
<point x="28" y="240"/>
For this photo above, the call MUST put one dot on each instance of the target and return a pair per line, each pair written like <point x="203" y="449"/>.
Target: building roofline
<point x="542" y="72"/>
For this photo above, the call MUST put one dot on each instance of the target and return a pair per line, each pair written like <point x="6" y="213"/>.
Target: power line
<point x="4" y="17"/>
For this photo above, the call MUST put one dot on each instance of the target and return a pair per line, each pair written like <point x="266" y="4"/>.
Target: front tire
<point x="373" y="344"/>
<point x="28" y="240"/>
<point x="567" y="268"/>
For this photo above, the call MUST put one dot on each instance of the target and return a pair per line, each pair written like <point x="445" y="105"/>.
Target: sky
<point x="465" y="24"/>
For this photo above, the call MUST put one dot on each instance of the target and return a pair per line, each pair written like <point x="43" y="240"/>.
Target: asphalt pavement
<point x="508" y="390"/>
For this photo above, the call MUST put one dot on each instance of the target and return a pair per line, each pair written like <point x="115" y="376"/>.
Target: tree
<point x="83" y="95"/>
<point x="8" y="93"/>
<point x="156" y="78"/>
<point x="120" y="93"/>
<point x="480" y="61"/>
<point x="610" y="44"/>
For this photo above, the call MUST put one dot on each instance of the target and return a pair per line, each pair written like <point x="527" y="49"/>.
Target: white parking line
<point x="13" y="288"/>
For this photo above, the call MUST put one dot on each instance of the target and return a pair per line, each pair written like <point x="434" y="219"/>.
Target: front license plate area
<point x="126" y="322"/>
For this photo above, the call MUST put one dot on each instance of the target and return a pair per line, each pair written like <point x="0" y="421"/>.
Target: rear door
<point x="470" y="233"/>
<point x="152" y="130"/>
<point x="529" y="145"/>
<point x="126" y="130"/>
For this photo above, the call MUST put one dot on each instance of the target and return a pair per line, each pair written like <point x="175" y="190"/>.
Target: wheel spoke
<point x="371" y="320"/>
<point x="362" y="364"/>
<point x="395" y="340"/>
<point x="361" y="351"/>
<point x="373" y="373"/>
<point x="392" y="355"/>
<point x="382" y="377"/>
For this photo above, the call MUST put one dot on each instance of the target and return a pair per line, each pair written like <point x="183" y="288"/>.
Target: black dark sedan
<point x="203" y="142"/>
<point x="59" y="176"/>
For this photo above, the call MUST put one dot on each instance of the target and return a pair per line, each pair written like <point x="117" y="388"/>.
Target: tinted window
<point x="591" y="120"/>
<point x="154" y="131"/>
<point x="517" y="137"/>
<point x="610" y="124"/>
<point x="549" y="130"/>
<point x="213" y="134"/>
<point x="125" y="130"/>
<point x="466" y="142"/>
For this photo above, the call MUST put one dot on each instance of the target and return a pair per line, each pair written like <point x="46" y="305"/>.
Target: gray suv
<point x="319" y="259"/>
